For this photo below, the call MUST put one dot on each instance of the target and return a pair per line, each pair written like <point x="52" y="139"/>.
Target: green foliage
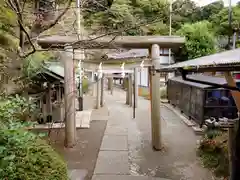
<point x="211" y="9"/>
<point x="15" y="109"/>
<point x="85" y="85"/>
<point x="24" y="156"/>
<point x="200" y="40"/>
<point x="220" y="20"/>
<point x="7" y="23"/>
<point x="126" y="16"/>
<point x="163" y="92"/>
<point x="32" y="65"/>
<point x="184" y="11"/>
<point x="213" y="151"/>
<point x="157" y="29"/>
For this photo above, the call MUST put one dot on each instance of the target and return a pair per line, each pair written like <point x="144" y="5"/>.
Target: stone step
<point x="83" y="119"/>
<point x="77" y="174"/>
<point x="125" y="177"/>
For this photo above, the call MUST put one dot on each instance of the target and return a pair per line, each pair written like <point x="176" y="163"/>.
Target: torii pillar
<point x="155" y="99"/>
<point x="69" y="93"/>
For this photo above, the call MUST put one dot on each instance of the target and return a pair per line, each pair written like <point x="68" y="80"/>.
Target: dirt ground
<point x="85" y="153"/>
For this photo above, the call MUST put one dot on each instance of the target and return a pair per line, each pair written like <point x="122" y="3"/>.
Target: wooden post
<point x="93" y="84"/>
<point x="69" y="94"/>
<point x="155" y="99"/>
<point x="136" y="86"/>
<point x="234" y="135"/>
<point x="130" y="89"/>
<point x="59" y="100"/>
<point x="127" y="91"/>
<point x="102" y="91"/>
<point x="49" y="102"/>
<point x="109" y="84"/>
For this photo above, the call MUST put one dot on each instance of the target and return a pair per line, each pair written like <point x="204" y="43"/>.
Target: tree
<point x="221" y="23"/>
<point x="200" y="40"/>
<point x="211" y="9"/>
<point x="184" y="11"/>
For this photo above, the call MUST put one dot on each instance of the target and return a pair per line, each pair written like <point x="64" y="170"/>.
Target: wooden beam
<point x="110" y="42"/>
<point x="234" y="134"/>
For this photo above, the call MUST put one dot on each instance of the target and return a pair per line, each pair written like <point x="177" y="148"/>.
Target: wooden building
<point x="48" y="93"/>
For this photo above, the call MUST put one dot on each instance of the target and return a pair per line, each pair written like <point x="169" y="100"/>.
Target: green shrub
<point x="16" y="108"/>
<point x="25" y="156"/>
<point x="85" y="85"/>
<point x="163" y="92"/>
<point x="213" y="151"/>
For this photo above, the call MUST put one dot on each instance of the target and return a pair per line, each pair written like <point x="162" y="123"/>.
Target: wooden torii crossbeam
<point x="152" y="43"/>
<point x="221" y="62"/>
<point x="110" y="42"/>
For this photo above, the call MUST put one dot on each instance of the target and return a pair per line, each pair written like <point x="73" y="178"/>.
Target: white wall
<point x="143" y="77"/>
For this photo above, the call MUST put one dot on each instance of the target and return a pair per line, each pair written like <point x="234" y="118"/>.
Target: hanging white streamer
<point x="100" y="71"/>
<point x="123" y="71"/>
<point x="142" y="65"/>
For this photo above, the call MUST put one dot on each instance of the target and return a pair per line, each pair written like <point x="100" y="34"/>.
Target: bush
<point x="23" y="155"/>
<point x="163" y="92"/>
<point x="85" y="85"/>
<point x="213" y="151"/>
<point x="146" y="94"/>
<point x="16" y="108"/>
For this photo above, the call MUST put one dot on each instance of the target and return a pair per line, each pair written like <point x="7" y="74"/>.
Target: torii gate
<point x="152" y="43"/>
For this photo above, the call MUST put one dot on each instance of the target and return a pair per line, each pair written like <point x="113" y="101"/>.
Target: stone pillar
<point x="102" y="91"/>
<point x="98" y="93"/>
<point x="130" y="89"/>
<point x="155" y="99"/>
<point x="69" y="96"/>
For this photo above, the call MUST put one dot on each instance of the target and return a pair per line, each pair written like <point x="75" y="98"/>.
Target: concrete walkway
<point x="126" y="152"/>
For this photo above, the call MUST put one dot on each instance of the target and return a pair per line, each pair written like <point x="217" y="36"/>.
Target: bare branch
<point x="29" y="40"/>
<point x="52" y="23"/>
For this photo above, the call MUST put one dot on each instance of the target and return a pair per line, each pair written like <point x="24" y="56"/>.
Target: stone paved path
<point x="126" y="153"/>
